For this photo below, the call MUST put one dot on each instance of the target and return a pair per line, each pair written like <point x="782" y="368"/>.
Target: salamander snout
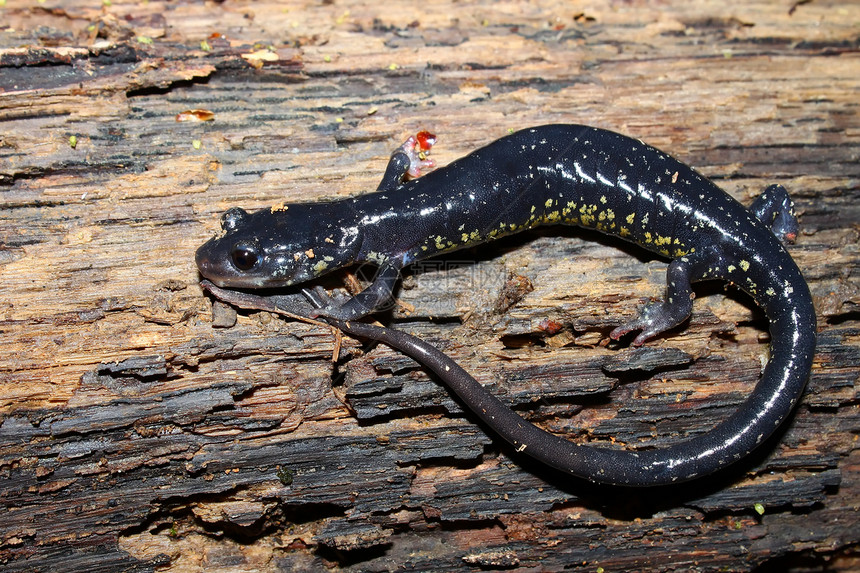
<point x="242" y="262"/>
<point x="206" y="264"/>
<point x="227" y="263"/>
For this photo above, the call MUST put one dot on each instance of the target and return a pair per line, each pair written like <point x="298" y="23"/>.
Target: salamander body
<point x="554" y="174"/>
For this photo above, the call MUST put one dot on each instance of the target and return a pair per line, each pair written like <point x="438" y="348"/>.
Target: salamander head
<point x="277" y="247"/>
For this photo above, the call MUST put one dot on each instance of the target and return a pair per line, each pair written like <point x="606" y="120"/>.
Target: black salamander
<point x="554" y="174"/>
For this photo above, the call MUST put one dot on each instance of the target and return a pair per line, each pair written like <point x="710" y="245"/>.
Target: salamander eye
<point x="245" y="256"/>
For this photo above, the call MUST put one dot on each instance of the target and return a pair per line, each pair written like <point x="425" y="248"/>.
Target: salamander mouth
<point x="220" y="270"/>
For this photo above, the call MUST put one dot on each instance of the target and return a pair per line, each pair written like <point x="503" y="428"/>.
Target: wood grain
<point x="135" y="436"/>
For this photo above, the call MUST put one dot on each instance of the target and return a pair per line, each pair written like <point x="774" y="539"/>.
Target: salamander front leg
<point x="368" y="301"/>
<point x="660" y="316"/>
<point x="408" y="159"/>
<point x="775" y="209"/>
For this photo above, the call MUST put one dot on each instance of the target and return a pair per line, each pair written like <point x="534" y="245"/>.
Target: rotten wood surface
<point x="135" y="436"/>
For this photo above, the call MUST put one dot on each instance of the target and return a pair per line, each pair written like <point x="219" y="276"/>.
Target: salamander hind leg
<point x="660" y="316"/>
<point x="775" y="209"/>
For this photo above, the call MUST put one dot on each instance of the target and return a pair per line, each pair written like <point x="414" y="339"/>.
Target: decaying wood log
<point x="134" y="435"/>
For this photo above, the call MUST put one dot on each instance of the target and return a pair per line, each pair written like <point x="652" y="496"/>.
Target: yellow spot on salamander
<point x="320" y="267"/>
<point x="752" y="287"/>
<point x="472" y="237"/>
<point x="377" y="257"/>
<point x="281" y="207"/>
<point x="548" y="203"/>
<point x="587" y="214"/>
<point x="745" y="265"/>
<point x="309" y="253"/>
<point x="731" y="268"/>
<point x="630" y="218"/>
<point x="603" y="199"/>
<point x="770" y="292"/>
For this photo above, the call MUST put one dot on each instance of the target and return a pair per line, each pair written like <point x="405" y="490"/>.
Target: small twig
<point x="255" y="302"/>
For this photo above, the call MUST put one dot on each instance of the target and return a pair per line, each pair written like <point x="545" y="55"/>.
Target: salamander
<point x="552" y="174"/>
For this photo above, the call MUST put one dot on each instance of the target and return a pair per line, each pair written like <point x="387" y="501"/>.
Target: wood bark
<point x="134" y="435"/>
